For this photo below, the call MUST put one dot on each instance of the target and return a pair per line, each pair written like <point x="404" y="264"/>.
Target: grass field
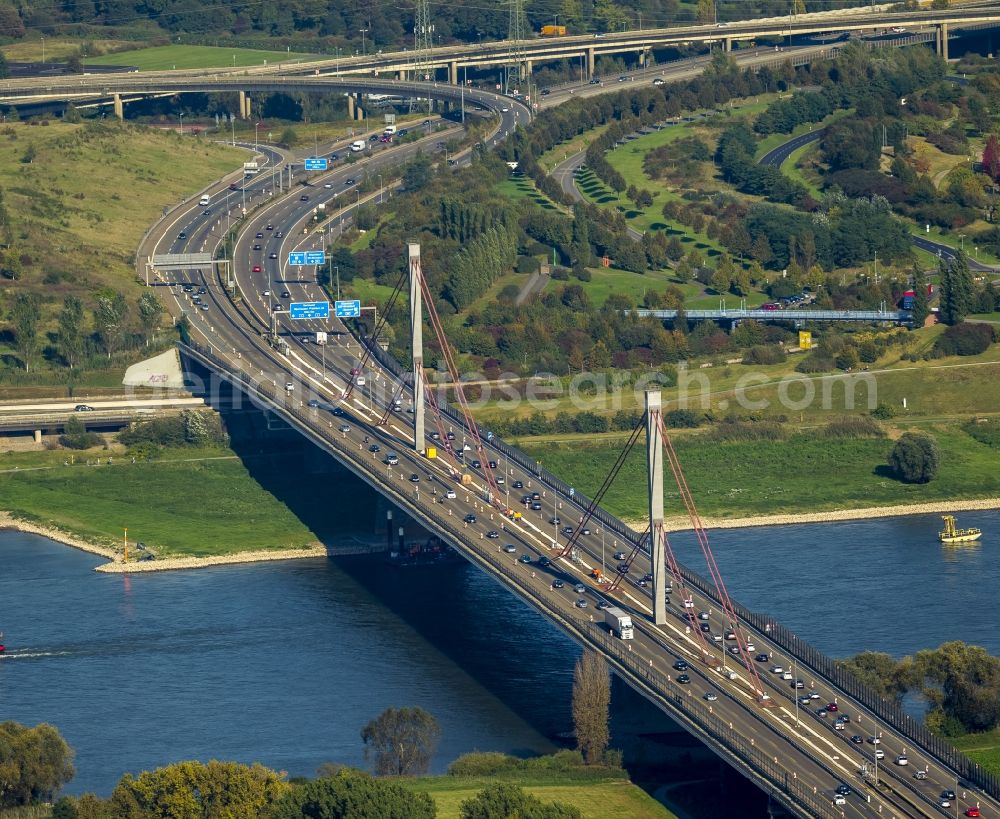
<point x="804" y="473"/>
<point x="159" y="58"/>
<point x="611" y="799"/>
<point x="56" y="49"/>
<point x="608" y="280"/>
<point x="982" y="748"/>
<point x="153" y="499"/>
<point x="81" y="197"/>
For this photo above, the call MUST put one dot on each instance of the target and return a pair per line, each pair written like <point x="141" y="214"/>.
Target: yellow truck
<point x="553" y="31"/>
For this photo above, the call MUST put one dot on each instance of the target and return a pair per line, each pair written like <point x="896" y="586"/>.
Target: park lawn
<point x="806" y="472"/>
<point x="157" y="501"/>
<point x="938" y="163"/>
<point x="606" y="281"/>
<point x="993" y="317"/>
<point x="161" y="58"/>
<point x="608" y="799"/>
<point x="518" y="186"/>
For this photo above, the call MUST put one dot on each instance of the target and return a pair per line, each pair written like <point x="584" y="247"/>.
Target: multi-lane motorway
<point x="791" y="749"/>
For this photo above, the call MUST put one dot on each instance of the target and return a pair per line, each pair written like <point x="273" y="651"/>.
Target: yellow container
<point x="432" y="452"/>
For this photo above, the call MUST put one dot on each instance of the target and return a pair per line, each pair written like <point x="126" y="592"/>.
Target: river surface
<point x="284" y="662"/>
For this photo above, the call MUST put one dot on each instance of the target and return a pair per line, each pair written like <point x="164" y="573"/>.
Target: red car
<point x="973" y="812"/>
<point x="256" y="268"/>
<point x="832" y="706"/>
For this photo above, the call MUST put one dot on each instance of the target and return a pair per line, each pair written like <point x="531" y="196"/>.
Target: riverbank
<point x="679" y="523"/>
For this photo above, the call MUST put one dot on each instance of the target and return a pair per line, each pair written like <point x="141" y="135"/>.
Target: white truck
<point x="250" y="169"/>
<point x="619" y="622"/>
<point x="205" y="199"/>
<point x="389" y="130"/>
<point x="358" y="145"/>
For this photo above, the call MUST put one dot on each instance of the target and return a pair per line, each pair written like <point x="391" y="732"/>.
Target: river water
<point x="284" y="662"/>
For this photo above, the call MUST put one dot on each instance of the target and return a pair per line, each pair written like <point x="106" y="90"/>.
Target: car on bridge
<point x="681" y="665"/>
<point x="470" y="518"/>
<point x="843" y="789"/>
<point x="256" y="268"/>
<point x="510" y="548"/>
<point x="557" y="583"/>
<point x="684" y="679"/>
<point x="83" y="408"/>
<point x="392" y="459"/>
<point x="525" y="558"/>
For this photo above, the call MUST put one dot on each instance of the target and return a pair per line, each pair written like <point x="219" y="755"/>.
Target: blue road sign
<point x="316" y="163"/>
<point x="309" y="309"/>
<point x="348" y="309"/>
<point x="298" y="258"/>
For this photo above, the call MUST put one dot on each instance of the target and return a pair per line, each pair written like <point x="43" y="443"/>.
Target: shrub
<point x="883" y="412"/>
<point x="914" y="458"/>
<point x="965" y="339"/>
<point x="765" y="354"/>
<point x="75" y="435"/>
<point x="483" y="764"/>
<point x="816" y="362"/>
<point x="682" y="419"/>
<point x="748" y="431"/>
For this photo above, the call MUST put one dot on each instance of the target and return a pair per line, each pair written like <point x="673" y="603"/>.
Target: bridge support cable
<point x="713" y="568"/>
<point x="599" y="495"/>
<point x="417" y="345"/>
<point x="366" y="354"/>
<point x="492" y="487"/>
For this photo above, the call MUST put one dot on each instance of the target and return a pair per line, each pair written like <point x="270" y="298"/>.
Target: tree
<point x="34" y="764"/>
<point x="4" y="69"/>
<point x="289" y="137"/>
<point x="720" y="281"/>
<point x="963" y="684"/>
<point x="6" y="225"/>
<point x="921" y="307"/>
<point x="25" y="315"/>
<point x="401" y="741"/>
<point x="591" y="700"/>
<point x="914" y="458"/>
<point x="109" y="319"/>
<point x="956" y="288"/>
<point x="349" y="794"/>
<point x="150" y="312"/>
<point x="71" y="330"/>
<point x="504" y="800"/>
<point x="991" y="157"/>
<point x="193" y="789"/>
<point x="706" y="11"/>
<point x="417" y="173"/>
<point x="880" y="672"/>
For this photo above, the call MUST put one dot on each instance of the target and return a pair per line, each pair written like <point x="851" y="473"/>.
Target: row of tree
<point x="960" y="684"/>
<point x="110" y="331"/>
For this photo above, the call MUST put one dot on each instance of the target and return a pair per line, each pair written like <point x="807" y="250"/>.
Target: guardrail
<point x="821" y="665"/>
<point x="689" y="709"/>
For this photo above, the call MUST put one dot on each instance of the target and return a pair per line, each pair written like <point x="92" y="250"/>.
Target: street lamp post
<point x="380" y="189"/>
<point x="255" y="128"/>
<point x="363" y="32"/>
<point x="43" y="49"/>
<point x="182" y="124"/>
<point x="336" y="269"/>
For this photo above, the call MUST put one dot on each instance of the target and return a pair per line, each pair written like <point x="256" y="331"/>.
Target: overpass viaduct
<point x="528" y="53"/>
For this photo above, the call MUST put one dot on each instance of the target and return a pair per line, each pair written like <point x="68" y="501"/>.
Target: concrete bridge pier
<point x="591" y="56"/>
<point x="38" y="436"/>
<point x="941" y="41"/>
<point x="119" y="107"/>
<point x="727" y="44"/>
<point x="244" y="105"/>
<point x="654" y="472"/>
<point x="354" y="109"/>
<point x="417" y="345"/>
<point x="643" y="57"/>
<point x="527" y="67"/>
<point x="453" y="72"/>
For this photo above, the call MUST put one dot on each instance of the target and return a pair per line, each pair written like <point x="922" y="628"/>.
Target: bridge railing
<point x="820" y="664"/>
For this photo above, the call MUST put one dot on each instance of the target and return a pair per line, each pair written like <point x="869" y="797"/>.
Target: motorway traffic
<point x="815" y="752"/>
